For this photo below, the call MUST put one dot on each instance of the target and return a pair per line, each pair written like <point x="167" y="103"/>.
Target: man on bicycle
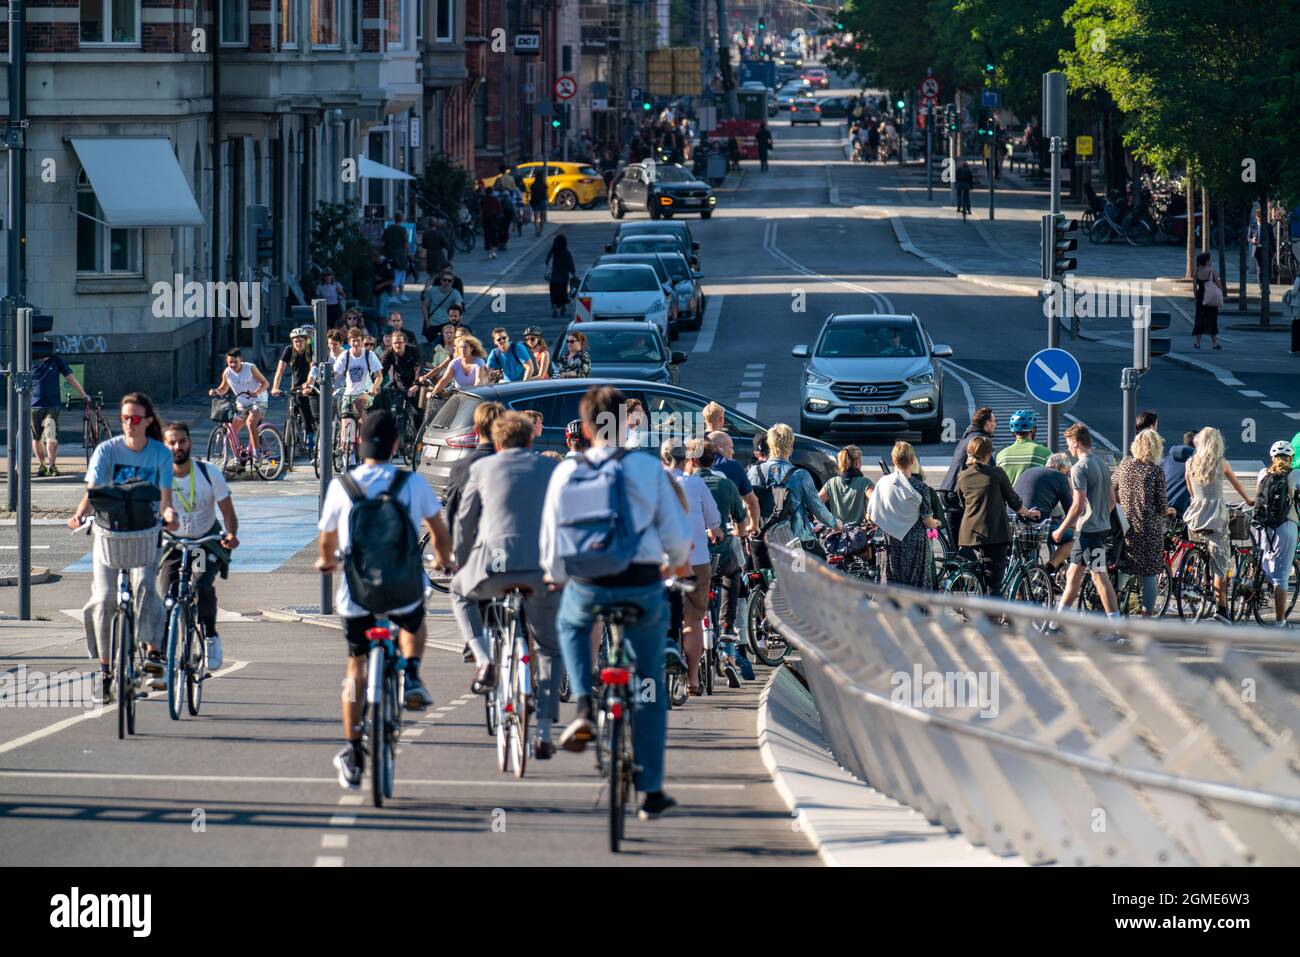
<point x="249" y="388"/>
<point x="138" y="454"/>
<point x="965" y="177"/>
<point x="663" y="537"/>
<point x="401" y="366"/>
<point x="297" y="357"/>
<point x="378" y="442"/>
<point x="1024" y="453"/>
<point x="359" y="372"/>
<point x="200" y="491"/>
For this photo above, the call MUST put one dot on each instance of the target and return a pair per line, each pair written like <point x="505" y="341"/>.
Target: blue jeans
<point x="574" y="623"/>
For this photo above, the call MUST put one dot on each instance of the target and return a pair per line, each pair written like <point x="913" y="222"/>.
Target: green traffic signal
<point x="988" y="68"/>
<point x="555" y="123"/>
<point x="901" y="104"/>
<point x="646" y="107"/>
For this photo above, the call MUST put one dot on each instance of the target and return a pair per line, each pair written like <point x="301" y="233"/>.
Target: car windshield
<point x="677" y="268"/>
<point x="621" y="279"/>
<point x="874" y="340"/>
<point x="647" y="259"/>
<point x="648" y="244"/>
<point x="672" y="174"/>
<point x="622" y="345"/>
<point x="588" y="171"/>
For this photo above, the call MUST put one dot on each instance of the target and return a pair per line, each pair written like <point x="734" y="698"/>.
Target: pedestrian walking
<point x="901" y="506"/>
<point x="560" y="270"/>
<point x="537" y="199"/>
<point x="493" y="216"/>
<point x="1208" y="290"/>
<point x="1139" y="484"/>
<point x="764" y="140"/>
<point x="397" y="249"/>
<point x="437" y="250"/>
<point x="333" y="294"/>
<point x="45" y="410"/>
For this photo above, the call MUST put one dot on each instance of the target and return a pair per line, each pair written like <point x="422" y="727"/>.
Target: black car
<point x="690" y="248"/>
<point x="673" y="409"/>
<point x="625" y="350"/>
<point x="663" y="189"/>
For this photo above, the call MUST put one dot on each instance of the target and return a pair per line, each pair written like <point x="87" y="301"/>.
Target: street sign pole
<point x="23" y="440"/>
<point x="1054" y="127"/>
<point x="954" y="139"/>
<point x="324" y="431"/>
<point x="929" y="150"/>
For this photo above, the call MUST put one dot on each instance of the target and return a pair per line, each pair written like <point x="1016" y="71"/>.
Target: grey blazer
<point x="499" y="520"/>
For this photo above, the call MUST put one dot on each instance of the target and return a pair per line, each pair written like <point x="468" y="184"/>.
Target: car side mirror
<point x="609" y="247"/>
<point x="678" y="358"/>
<point x="942" y="352"/>
<point x="695" y="247"/>
<point x="800" y="352"/>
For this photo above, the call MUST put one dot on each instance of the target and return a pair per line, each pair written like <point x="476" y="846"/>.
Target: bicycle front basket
<point x="124" y="550"/>
<point x="223" y="410"/>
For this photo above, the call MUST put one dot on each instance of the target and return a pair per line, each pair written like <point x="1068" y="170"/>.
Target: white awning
<point x="369" y="169"/>
<point x="138" y="181"/>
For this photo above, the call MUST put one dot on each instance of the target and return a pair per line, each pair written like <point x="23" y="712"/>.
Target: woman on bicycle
<point x="846" y="494"/>
<point x="1278" y="544"/>
<point x="468" y="369"/>
<point x="985" y="495"/>
<point x="902" y="507"/>
<point x="541" y="367"/>
<point x="1207" y="515"/>
<point x="1139" y="484"/>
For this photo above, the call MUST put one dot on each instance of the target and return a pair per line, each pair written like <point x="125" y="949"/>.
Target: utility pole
<point x="954" y="147"/>
<point x="724" y="60"/>
<point x="15" y="142"/>
<point x="929" y="149"/>
<point x="23" y="479"/>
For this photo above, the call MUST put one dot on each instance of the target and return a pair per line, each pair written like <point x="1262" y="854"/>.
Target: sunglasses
<point x="134" y="419"/>
<point x="500" y="339"/>
<point x="570" y="341"/>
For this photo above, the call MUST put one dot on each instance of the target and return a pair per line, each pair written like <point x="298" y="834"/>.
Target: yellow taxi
<point x="569" y="184"/>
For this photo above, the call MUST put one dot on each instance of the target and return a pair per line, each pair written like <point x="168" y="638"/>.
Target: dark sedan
<point x="626" y="350"/>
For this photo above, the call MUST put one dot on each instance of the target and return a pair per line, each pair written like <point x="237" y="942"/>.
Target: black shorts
<point x="354" y="629"/>
<point x="1089" y="550"/>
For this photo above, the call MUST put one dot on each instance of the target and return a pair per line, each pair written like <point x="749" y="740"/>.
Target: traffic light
<point x="900" y="103"/>
<point x="762" y="24"/>
<point x="985" y="122"/>
<point x="555" y="123"/>
<point x="839" y="25"/>
<point x="1054" y="243"/>
<point x="265" y="244"/>
<point x="988" y="70"/>
<point x="954" y="120"/>
<point x="40" y="347"/>
<point x="647" y="106"/>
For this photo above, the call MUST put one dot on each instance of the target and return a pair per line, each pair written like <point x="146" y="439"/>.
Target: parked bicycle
<point x="94" y="427"/>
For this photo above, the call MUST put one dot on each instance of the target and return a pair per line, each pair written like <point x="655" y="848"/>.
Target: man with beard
<point x="200" y="490"/>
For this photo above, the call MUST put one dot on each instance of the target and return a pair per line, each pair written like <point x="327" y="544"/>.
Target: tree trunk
<point x="1222" y="237"/>
<point x="1205" y="220"/>
<point x="1265" y="256"/>
<point x="1242" y="242"/>
<point x="1191" y="231"/>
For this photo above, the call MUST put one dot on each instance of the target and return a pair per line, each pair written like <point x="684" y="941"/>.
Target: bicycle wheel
<point x="392" y="727"/>
<point x="520" y="691"/>
<point x="615" y="781"/>
<point x="1139" y="233"/>
<point x="1195" y="586"/>
<point x="1101" y="232"/>
<point x="218" y="448"/>
<point x="375" y="701"/>
<point x="122" y="660"/>
<point x="291" y="437"/>
<point x="196" y="657"/>
<point x="465" y="239"/>
<point x="706" y="669"/>
<point x="566" y="690"/>
<point x="270" y="462"/>
<point x="88" y="439"/>
<point x="134" y="655"/>
<point x="489" y="699"/>
<point x="1164" y="593"/>
<point x="342" y="439"/>
<point x="1265" y="613"/>
<point x="770" y="646"/>
<point x="1130" y="599"/>
<point x="501" y="700"/>
<point x="439" y="583"/>
<point x="177" y="643"/>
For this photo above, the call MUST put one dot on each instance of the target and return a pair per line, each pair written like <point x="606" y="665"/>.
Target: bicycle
<point x="768" y="645"/>
<point x="186" y="647"/>
<point x="437" y="579"/>
<point x="382" y="726"/>
<point x="963" y="200"/>
<point x="615" y="755"/>
<point x="295" y="434"/>
<point x="226" y="452"/>
<point x="1192" y="582"/>
<point x="678" y="690"/>
<point x="407" y="415"/>
<point x="125" y="551"/>
<point x="346" y="441"/>
<point x="94" y="427"/>
<point x="513" y="698"/>
<point x="1251" y="594"/>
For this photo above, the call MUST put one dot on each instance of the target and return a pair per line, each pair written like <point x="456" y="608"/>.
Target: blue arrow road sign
<point x="1053" y="376"/>
<point x="991" y="98"/>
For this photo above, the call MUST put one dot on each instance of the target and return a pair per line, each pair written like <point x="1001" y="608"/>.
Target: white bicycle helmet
<point x="302" y="332"/>
<point x="1281" y="447"/>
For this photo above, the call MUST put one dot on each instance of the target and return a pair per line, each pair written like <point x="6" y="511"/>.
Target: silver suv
<point x="872" y="373"/>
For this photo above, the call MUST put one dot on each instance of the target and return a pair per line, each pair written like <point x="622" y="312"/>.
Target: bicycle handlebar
<point x="192" y="542"/>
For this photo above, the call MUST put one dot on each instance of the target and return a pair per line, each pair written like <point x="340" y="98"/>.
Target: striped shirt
<point x="1022" y="455"/>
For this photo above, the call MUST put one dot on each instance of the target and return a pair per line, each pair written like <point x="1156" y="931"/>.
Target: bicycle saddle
<point x="525" y="590"/>
<point x="623" y="612"/>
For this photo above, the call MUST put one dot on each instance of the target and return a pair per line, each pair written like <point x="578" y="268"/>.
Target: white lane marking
<point x="709" y="325"/>
<point x="334" y="840"/>
<point x="1251" y="393"/>
<point x="328" y="862"/>
<point x="351" y="799"/>
<point x="965" y="387"/>
<point x="338" y="820"/>
<point x="58" y="726"/>
<point x="1273" y="404"/>
<point x="749" y="395"/>
<point x="1232" y="382"/>
<point x="756" y="365"/>
<point x="222" y="614"/>
<point x="35" y="548"/>
<point x="748" y="408"/>
<point x="412" y="732"/>
<point x="342" y="820"/>
<point x="1293" y="415"/>
<point x="881" y="303"/>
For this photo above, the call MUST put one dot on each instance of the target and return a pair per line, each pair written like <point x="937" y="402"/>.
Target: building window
<point x="446" y="25"/>
<point x="480" y="115"/>
<point x="289" y="13"/>
<point x="395" y="9"/>
<point x="419" y="21"/>
<point x="325" y="23"/>
<point x="234" y="22"/>
<point x="110" y="22"/>
<point x="101" y="249"/>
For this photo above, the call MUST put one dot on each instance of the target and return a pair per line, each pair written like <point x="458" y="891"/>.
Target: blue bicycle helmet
<point x="1024" y="420"/>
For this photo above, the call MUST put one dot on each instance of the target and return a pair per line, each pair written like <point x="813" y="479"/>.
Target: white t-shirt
<point x="243" y="381"/>
<point x="195" y="498"/>
<point x="416" y="495"/>
<point x="356" y="372"/>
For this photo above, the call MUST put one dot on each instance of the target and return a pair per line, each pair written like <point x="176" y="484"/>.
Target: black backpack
<point x="1272" y="501"/>
<point x="382" y="563"/>
<point x="126" y="506"/>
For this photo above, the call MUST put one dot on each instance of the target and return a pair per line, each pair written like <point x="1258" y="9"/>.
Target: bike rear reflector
<point x="377" y="634"/>
<point x="615" y="676"/>
<point x="616" y="709"/>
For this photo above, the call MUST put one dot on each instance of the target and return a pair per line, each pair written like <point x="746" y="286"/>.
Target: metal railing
<point x="1179" y="747"/>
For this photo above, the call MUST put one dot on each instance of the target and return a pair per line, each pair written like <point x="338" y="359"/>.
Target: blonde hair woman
<point x="1139" y="484"/>
<point x="468" y="369"/>
<point x="1207" y="515"/>
<point x="1278" y="544"/>
<point x="801" y="494"/>
<point x="901" y="506"/>
<point x="846" y="494"/>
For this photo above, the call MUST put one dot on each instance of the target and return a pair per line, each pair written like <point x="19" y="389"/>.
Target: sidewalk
<point x="1003" y="254"/>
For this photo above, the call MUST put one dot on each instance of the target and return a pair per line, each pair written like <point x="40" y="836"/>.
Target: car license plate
<point x="431" y="451"/>
<point x="859" y="408"/>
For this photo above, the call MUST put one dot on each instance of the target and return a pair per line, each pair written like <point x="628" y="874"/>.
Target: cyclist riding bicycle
<point x="1024" y="453"/>
<point x="297" y="357"/>
<point x="138" y="454"/>
<point x="401" y="366"/>
<point x="249" y="387"/>
<point x="965" y="178"/>
<point x="200" y="491"/>
<point x="359" y="372"/>
<point x="658" y="534"/>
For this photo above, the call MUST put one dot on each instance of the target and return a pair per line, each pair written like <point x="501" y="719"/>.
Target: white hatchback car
<point x="629" y="292"/>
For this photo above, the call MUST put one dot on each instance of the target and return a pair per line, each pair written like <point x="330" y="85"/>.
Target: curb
<point x="40" y="575"/>
<point x="848" y="823"/>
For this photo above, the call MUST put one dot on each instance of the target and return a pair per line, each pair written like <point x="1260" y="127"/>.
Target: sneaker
<point x="656" y="803"/>
<point x="580" y="731"/>
<point x="154" y="663"/>
<point x="156" y="683"/>
<point x="733" y="675"/>
<point x="674" y="663"/>
<point x="214" y="652"/>
<point x="543" y="750"/>
<point x="466" y="655"/>
<point x="42" y="472"/>
<point x="416" y="695"/>
<point x="746" y="667"/>
<point x="53" y="471"/>
<point x="348" y="762"/>
<point x="485" y="679"/>
<point x="105" y="687"/>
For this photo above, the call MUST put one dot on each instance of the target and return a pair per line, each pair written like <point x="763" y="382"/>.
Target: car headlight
<point x="712" y="200"/>
<point x="925" y="378"/>
<point x="659" y="306"/>
<point x="812" y="378"/>
<point x="818" y="405"/>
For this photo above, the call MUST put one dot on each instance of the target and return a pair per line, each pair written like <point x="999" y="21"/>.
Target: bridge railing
<point x="1180" y="746"/>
